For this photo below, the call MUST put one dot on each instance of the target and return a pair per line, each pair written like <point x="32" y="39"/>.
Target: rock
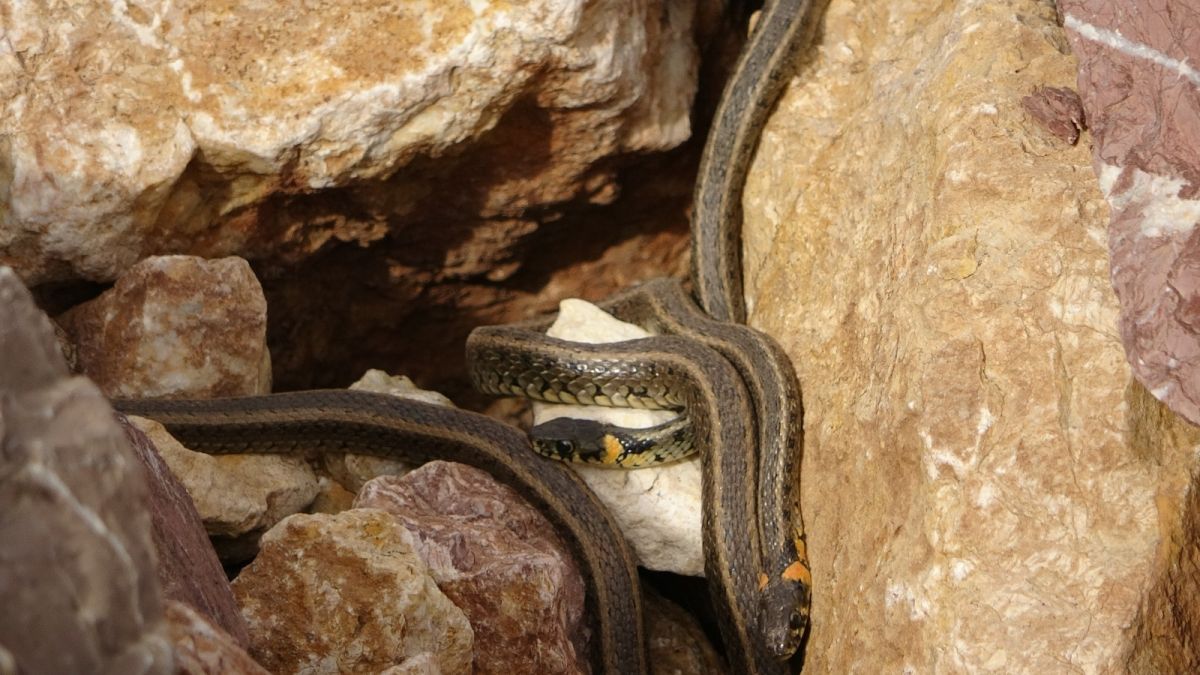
<point x="231" y="150"/>
<point x="79" y="586"/>
<point x="677" y="643"/>
<point x="176" y="326"/>
<point x="201" y="648"/>
<point x="497" y="559"/>
<point x="346" y="593"/>
<point x="658" y="508"/>
<point x="1141" y="91"/>
<point x="238" y="497"/>
<point x="188" y="569"/>
<point x="982" y="489"/>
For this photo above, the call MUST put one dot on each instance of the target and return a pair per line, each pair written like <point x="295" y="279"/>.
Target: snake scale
<point x="736" y="408"/>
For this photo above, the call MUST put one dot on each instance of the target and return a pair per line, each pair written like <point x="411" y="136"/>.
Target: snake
<point x="508" y="359"/>
<point x="310" y="423"/>
<point x="716" y="396"/>
<point x="785" y="581"/>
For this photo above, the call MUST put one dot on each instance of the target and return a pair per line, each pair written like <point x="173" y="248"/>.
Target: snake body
<point x="506" y="358"/>
<point x="310" y="422"/>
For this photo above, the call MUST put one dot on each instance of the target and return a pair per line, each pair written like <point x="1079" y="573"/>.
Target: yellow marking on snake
<point x="798" y="571"/>
<point x="612" y="449"/>
<point x="762" y="580"/>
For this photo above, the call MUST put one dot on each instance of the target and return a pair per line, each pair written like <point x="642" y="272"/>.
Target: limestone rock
<point x="983" y="490"/>
<point x="188" y="568"/>
<point x="198" y="128"/>
<point x="236" y="494"/>
<point x="78" y="587"/>
<point x="176" y="326"/>
<point x="658" y="508"/>
<point x="1141" y="91"/>
<point x="346" y="593"/>
<point x="201" y="648"/>
<point x="497" y="559"/>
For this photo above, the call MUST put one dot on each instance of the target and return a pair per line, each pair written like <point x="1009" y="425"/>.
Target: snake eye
<point x="564" y="448"/>
<point x="796" y="622"/>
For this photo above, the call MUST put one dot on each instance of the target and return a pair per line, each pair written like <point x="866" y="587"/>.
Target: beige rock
<point x="495" y="557"/>
<point x="201" y="648"/>
<point x="184" y="121"/>
<point x="983" y="490"/>
<point x="346" y="593"/>
<point x="658" y="508"/>
<point x="236" y="495"/>
<point x="176" y="326"/>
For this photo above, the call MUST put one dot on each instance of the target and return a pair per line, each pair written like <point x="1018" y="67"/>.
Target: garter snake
<point x="507" y="359"/>
<point x="379" y="424"/>
<point x="758" y="78"/>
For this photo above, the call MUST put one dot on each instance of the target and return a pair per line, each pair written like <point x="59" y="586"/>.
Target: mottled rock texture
<point x="78" y="582"/>
<point x="1140" y="87"/>
<point x="188" y="568"/>
<point x="347" y="593"/>
<point x="677" y="643"/>
<point x="175" y="326"/>
<point x="202" y="648"/>
<point x="984" y="488"/>
<point x="497" y="559"/>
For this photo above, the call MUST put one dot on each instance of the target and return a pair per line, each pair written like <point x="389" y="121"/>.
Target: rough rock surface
<point x="201" y="648"/>
<point x="497" y="559"/>
<point x="236" y="495"/>
<point x="230" y="145"/>
<point x="984" y="491"/>
<point x="346" y="593"/>
<point x="658" y="508"/>
<point x="78" y="586"/>
<point x="1141" y="90"/>
<point x="188" y="568"/>
<point x="176" y="326"/>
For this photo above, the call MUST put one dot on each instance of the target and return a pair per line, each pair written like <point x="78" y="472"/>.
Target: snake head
<point x="783" y="615"/>
<point x="569" y="439"/>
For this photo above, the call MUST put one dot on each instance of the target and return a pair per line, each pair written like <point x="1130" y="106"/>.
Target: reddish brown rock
<point x="176" y="326"/>
<point x="201" y="648"/>
<point x="346" y="593"/>
<point x="498" y="559"/>
<point x="1141" y="89"/>
<point x="188" y="568"/>
<point x="79" y="591"/>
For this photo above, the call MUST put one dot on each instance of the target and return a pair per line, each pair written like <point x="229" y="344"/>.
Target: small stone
<point x="201" y="648"/>
<point x="677" y="642"/>
<point x="347" y="593"/>
<point x="236" y="494"/>
<point x="498" y="559"/>
<point x="175" y="326"/>
<point x="658" y="507"/>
